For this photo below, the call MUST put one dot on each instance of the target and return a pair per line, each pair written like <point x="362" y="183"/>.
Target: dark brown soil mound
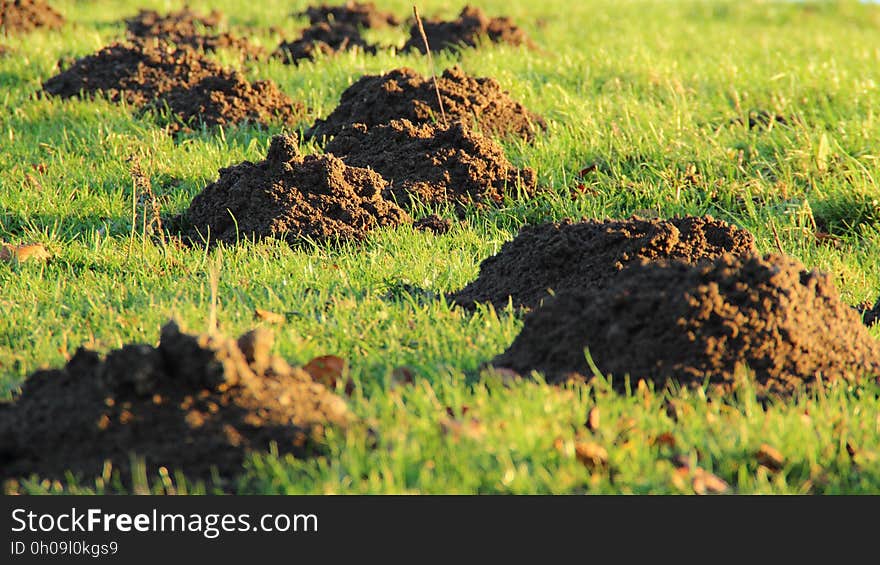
<point x="470" y="28"/>
<point x="156" y="75"/>
<point x="323" y="39"/>
<point x="294" y="197"/>
<point x="405" y="94"/>
<point x="871" y="316"/>
<point x="22" y="16"/>
<point x="192" y="403"/>
<point x="694" y="323"/>
<point x="433" y="164"/>
<point x="559" y="257"/>
<point x="359" y="14"/>
<point x="227" y="99"/>
<point x="136" y="72"/>
<point x="186" y="27"/>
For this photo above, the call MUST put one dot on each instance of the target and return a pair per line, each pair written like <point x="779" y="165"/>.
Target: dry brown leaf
<point x="770" y="457"/>
<point x="269" y="317"/>
<point x="326" y="369"/>
<point x="593" y="419"/>
<point x="591" y="455"/>
<point x="666" y="439"/>
<point x="705" y="482"/>
<point x="21" y="253"/>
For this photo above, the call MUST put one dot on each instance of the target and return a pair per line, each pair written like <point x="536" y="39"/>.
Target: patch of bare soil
<point x="186" y="27"/>
<point x="292" y="197"/>
<point x="470" y="28"/>
<point x="358" y="14"/>
<point x="154" y="75"/>
<point x="405" y="94"/>
<point x="434" y="164"/>
<point x="22" y="16"/>
<point x="687" y="324"/>
<point x="560" y="257"/>
<point x="323" y="39"/>
<point x="194" y="403"/>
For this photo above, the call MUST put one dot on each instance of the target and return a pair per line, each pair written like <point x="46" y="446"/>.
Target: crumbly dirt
<point x="470" y="28"/>
<point x="434" y="164"/>
<point x="434" y="224"/>
<point x="186" y="27"/>
<point x="323" y="39"/>
<point x="559" y="257"/>
<point x="193" y="403"/>
<point x="870" y="315"/>
<point x="359" y="14"/>
<point x="22" y="16"/>
<point x="227" y="99"/>
<point x="151" y="74"/>
<point x="683" y="323"/>
<point x="405" y="94"/>
<point x="136" y="72"/>
<point x="292" y="197"/>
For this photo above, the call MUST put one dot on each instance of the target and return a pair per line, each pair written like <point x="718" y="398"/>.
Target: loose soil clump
<point x="405" y="94"/>
<point x="193" y="403"/>
<point x="155" y="75"/>
<point x="186" y="27"/>
<point x="470" y="28"/>
<point x="434" y="164"/>
<point x="358" y="14"/>
<point x="558" y="257"/>
<point x="871" y="315"/>
<point x="292" y="197"/>
<point x="687" y="324"/>
<point x="434" y="224"/>
<point x="323" y="39"/>
<point x="23" y="16"/>
<point x="229" y="99"/>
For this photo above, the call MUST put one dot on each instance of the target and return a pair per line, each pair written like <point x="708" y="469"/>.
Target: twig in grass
<point x="214" y="281"/>
<point x="152" y="217"/>
<point x="776" y="237"/>
<point x="430" y="61"/>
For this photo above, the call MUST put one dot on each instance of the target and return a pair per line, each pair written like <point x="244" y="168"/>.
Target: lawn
<point x="657" y="95"/>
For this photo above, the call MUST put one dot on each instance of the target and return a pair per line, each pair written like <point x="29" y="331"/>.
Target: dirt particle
<point x="359" y="14"/>
<point x="470" y="28"/>
<point x="557" y="257"/>
<point x="323" y="39"/>
<point x="192" y="403"/>
<point x="405" y="94"/>
<point x="870" y="315"/>
<point x="434" y="164"/>
<point x="22" y="16"/>
<point x="674" y="321"/>
<point x="433" y="223"/>
<point x="154" y="75"/>
<point x="292" y="197"/>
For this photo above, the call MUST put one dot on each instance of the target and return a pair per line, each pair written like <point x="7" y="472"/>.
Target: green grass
<point x="647" y="91"/>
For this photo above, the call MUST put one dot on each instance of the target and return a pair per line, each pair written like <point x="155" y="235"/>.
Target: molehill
<point x="686" y="324"/>
<point x="405" y="94"/>
<point x="292" y="197"/>
<point x="194" y="403"/>
<point x="434" y="163"/>
<point x="569" y="255"/>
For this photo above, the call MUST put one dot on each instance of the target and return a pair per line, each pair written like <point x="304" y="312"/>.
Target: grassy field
<point x="648" y="91"/>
